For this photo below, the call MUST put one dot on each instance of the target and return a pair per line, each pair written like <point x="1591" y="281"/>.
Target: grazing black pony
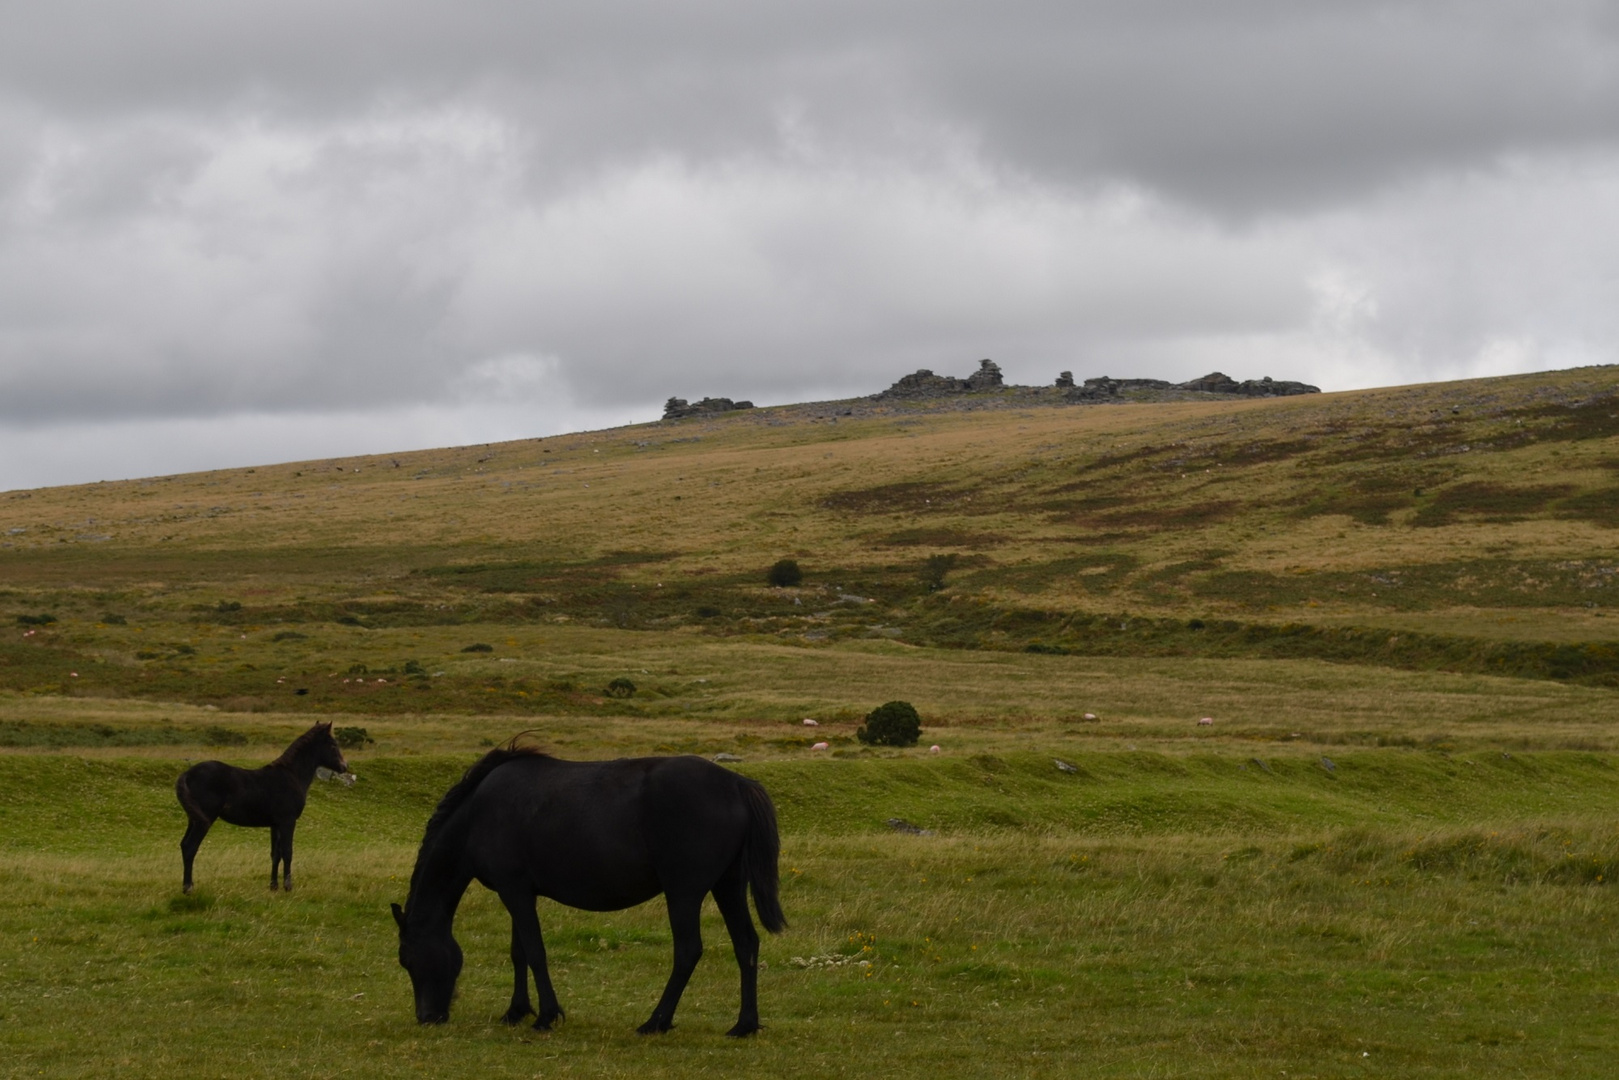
<point x="597" y="835"/>
<point x="270" y="797"/>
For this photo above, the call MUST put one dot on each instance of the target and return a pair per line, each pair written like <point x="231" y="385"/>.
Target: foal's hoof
<point x="654" y="1027"/>
<point x="513" y="1017"/>
<point x="743" y="1029"/>
<point x="544" y="1021"/>
<point x="186" y="888"/>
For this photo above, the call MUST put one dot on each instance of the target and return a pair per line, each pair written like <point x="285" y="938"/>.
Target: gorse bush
<point x="621" y="688"/>
<point x="895" y="723"/>
<point x="785" y="574"/>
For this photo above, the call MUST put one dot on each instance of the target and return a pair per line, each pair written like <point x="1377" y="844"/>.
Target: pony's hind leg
<point x="731" y="894"/>
<point x="196" y="829"/>
<point x="684" y="921"/>
<point x="528" y="952"/>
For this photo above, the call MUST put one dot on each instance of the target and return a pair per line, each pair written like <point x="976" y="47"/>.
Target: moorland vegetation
<point x="1392" y="847"/>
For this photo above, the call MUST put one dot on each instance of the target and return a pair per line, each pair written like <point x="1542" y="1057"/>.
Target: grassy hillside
<point x="1465" y="526"/>
<point x="1392" y="847"/>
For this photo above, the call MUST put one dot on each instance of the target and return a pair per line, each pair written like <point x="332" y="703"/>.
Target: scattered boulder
<point x="677" y="408"/>
<point x="901" y="825"/>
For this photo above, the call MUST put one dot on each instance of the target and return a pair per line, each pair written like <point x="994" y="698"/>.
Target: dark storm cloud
<point x="1253" y="105"/>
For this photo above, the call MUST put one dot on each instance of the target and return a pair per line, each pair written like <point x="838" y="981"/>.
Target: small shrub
<point x="353" y="620"/>
<point x="621" y="688"/>
<point x="479" y="646"/>
<point x="113" y="619"/>
<point x="359" y="669"/>
<point x="934" y="570"/>
<point x="289" y="635"/>
<point x="708" y="611"/>
<point x="185" y="650"/>
<point x="895" y="723"/>
<point x="35" y="620"/>
<point x="414" y="667"/>
<point x="352" y="738"/>
<point x="785" y="574"/>
<point x="227" y="606"/>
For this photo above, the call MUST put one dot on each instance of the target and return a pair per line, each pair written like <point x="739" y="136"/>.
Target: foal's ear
<point x="399" y="915"/>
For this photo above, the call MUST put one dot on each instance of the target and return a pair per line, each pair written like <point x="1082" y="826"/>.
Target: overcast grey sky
<point x="255" y="231"/>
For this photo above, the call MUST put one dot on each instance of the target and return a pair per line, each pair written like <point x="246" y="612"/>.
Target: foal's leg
<point x="196" y="829"/>
<point x="684" y="912"/>
<point x="275" y="855"/>
<point x="731" y="894"/>
<point x="527" y="942"/>
<point x="286" y="854"/>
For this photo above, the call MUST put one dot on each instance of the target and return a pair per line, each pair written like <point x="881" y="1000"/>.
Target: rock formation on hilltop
<point x="676" y="408"/>
<point x="924" y="384"/>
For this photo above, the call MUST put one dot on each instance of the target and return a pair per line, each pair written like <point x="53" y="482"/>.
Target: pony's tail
<point x="760" y="851"/>
<point x="182" y="791"/>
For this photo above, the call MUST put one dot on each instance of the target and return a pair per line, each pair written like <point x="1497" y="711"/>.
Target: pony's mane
<point x="297" y="745"/>
<point x="462" y="791"/>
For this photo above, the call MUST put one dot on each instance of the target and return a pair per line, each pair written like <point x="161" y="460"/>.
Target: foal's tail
<point x="760" y="850"/>
<point x="182" y="791"/>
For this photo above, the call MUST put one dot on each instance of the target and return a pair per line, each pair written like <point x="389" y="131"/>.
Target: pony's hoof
<point x="743" y="1030"/>
<point x="653" y="1027"/>
<point x="544" y="1021"/>
<point x="186" y="888"/>
<point x="514" y="1017"/>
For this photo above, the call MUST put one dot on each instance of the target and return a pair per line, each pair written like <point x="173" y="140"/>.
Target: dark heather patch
<point x="1488" y="502"/>
<point x="908" y="497"/>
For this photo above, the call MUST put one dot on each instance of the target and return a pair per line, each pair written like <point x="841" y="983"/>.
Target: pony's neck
<point x="436" y="886"/>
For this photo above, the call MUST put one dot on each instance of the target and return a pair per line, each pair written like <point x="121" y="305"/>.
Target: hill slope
<point x="1467" y="526"/>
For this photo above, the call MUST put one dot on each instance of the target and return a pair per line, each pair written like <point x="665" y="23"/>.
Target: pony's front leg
<point x="528" y="946"/>
<point x="684" y="921"/>
<point x="520" y="1006"/>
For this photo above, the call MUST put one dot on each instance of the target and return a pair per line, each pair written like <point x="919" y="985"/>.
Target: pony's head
<point x="434" y="963"/>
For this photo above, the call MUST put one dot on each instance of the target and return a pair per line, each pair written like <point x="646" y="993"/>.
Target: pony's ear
<point x="327" y="725"/>
<point x="399" y="915"/>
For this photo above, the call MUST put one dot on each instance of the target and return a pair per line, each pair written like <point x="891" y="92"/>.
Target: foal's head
<point x="434" y="963"/>
<point x="318" y="746"/>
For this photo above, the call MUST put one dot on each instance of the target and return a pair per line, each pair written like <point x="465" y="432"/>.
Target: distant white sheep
<point x="1207" y="721"/>
<point x="811" y="723"/>
<point x="819" y="746"/>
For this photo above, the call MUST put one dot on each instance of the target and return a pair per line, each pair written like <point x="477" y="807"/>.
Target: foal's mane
<point x="297" y="745"/>
<point x="462" y="791"/>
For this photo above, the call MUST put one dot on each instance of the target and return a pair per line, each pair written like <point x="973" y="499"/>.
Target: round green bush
<point x="621" y="688"/>
<point x="893" y="724"/>
<point x="785" y="574"/>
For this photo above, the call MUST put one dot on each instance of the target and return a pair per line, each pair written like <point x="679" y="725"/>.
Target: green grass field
<point x="1392" y="852"/>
